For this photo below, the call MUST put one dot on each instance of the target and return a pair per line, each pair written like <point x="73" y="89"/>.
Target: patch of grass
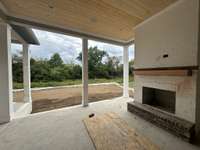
<point x="72" y="82"/>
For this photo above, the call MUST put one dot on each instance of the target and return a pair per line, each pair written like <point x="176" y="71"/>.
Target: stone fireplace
<point x="177" y="92"/>
<point x="167" y="69"/>
<point x="167" y="101"/>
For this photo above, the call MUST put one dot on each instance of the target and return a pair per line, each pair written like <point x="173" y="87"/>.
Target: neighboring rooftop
<point x="26" y="33"/>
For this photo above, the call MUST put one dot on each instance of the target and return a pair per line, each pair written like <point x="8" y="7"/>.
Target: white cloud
<point x="16" y="48"/>
<point x="113" y="50"/>
<point x="68" y="47"/>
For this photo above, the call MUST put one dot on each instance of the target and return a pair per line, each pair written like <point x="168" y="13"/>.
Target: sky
<point x="67" y="46"/>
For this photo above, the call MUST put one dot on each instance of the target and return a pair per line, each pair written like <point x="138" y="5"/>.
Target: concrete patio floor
<point x="63" y="129"/>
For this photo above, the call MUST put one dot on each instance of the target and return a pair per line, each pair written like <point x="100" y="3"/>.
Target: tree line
<point x="100" y="65"/>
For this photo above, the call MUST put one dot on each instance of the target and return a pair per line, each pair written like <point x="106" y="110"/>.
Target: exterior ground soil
<point x="48" y="99"/>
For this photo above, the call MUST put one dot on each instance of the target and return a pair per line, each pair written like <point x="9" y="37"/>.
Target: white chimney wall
<point x="173" y="32"/>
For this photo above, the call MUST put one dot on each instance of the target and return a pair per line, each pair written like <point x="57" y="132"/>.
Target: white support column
<point x="125" y="72"/>
<point x="26" y="74"/>
<point x="85" y="72"/>
<point x="6" y="96"/>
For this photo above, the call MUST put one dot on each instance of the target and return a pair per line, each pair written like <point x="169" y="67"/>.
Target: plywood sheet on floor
<point x="110" y="132"/>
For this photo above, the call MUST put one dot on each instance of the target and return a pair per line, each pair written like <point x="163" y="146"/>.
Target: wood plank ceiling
<point x="113" y="19"/>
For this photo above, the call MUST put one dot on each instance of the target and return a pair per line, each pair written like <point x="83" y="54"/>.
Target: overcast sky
<point x="68" y="47"/>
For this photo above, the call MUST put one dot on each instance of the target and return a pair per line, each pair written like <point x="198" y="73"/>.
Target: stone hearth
<point x="179" y="127"/>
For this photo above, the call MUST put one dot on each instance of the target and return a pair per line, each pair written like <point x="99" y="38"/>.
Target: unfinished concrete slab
<point x="64" y="130"/>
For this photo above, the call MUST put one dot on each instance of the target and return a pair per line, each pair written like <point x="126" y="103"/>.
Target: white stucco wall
<point x="174" y="31"/>
<point x="198" y="103"/>
<point x="198" y="84"/>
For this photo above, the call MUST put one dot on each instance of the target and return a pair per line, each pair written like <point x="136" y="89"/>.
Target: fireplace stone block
<point x="177" y="126"/>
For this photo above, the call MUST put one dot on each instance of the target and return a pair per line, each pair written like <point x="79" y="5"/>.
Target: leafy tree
<point x="113" y="66"/>
<point x="40" y="71"/>
<point x="77" y="72"/>
<point x="100" y="64"/>
<point x="95" y="57"/>
<point x="56" y="60"/>
<point x="57" y="74"/>
<point x="17" y="68"/>
<point x="72" y="71"/>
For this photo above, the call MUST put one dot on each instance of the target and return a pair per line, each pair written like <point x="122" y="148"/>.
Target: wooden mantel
<point x="166" y="71"/>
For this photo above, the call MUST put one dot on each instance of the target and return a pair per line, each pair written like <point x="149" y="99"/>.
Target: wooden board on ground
<point x="110" y="132"/>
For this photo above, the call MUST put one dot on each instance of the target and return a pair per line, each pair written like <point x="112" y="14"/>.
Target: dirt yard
<point x="48" y="99"/>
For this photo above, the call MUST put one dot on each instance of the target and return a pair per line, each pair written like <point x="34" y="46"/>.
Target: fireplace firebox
<point x="162" y="99"/>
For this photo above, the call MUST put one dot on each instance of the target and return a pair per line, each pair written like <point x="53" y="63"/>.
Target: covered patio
<point x="167" y="59"/>
<point x="17" y="29"/>
<point x="105" y="21"/>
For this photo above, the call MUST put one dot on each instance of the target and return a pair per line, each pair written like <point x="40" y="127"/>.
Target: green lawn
<point x="72" y="82"/>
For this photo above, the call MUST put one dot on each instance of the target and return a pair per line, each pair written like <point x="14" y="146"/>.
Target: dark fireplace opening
<point x="162" y="99"/>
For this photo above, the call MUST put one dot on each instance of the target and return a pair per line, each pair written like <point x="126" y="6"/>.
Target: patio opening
<point x="57" y="71"/>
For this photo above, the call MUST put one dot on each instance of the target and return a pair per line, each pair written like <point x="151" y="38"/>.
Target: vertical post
<point x="26" y="73"/>
<point x="6" y="96"/>
<point x="85" y="72"/>
<point x="125" y="72"/>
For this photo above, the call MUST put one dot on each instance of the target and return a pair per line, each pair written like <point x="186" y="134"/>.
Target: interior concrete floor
<point x="63" y="129"/>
